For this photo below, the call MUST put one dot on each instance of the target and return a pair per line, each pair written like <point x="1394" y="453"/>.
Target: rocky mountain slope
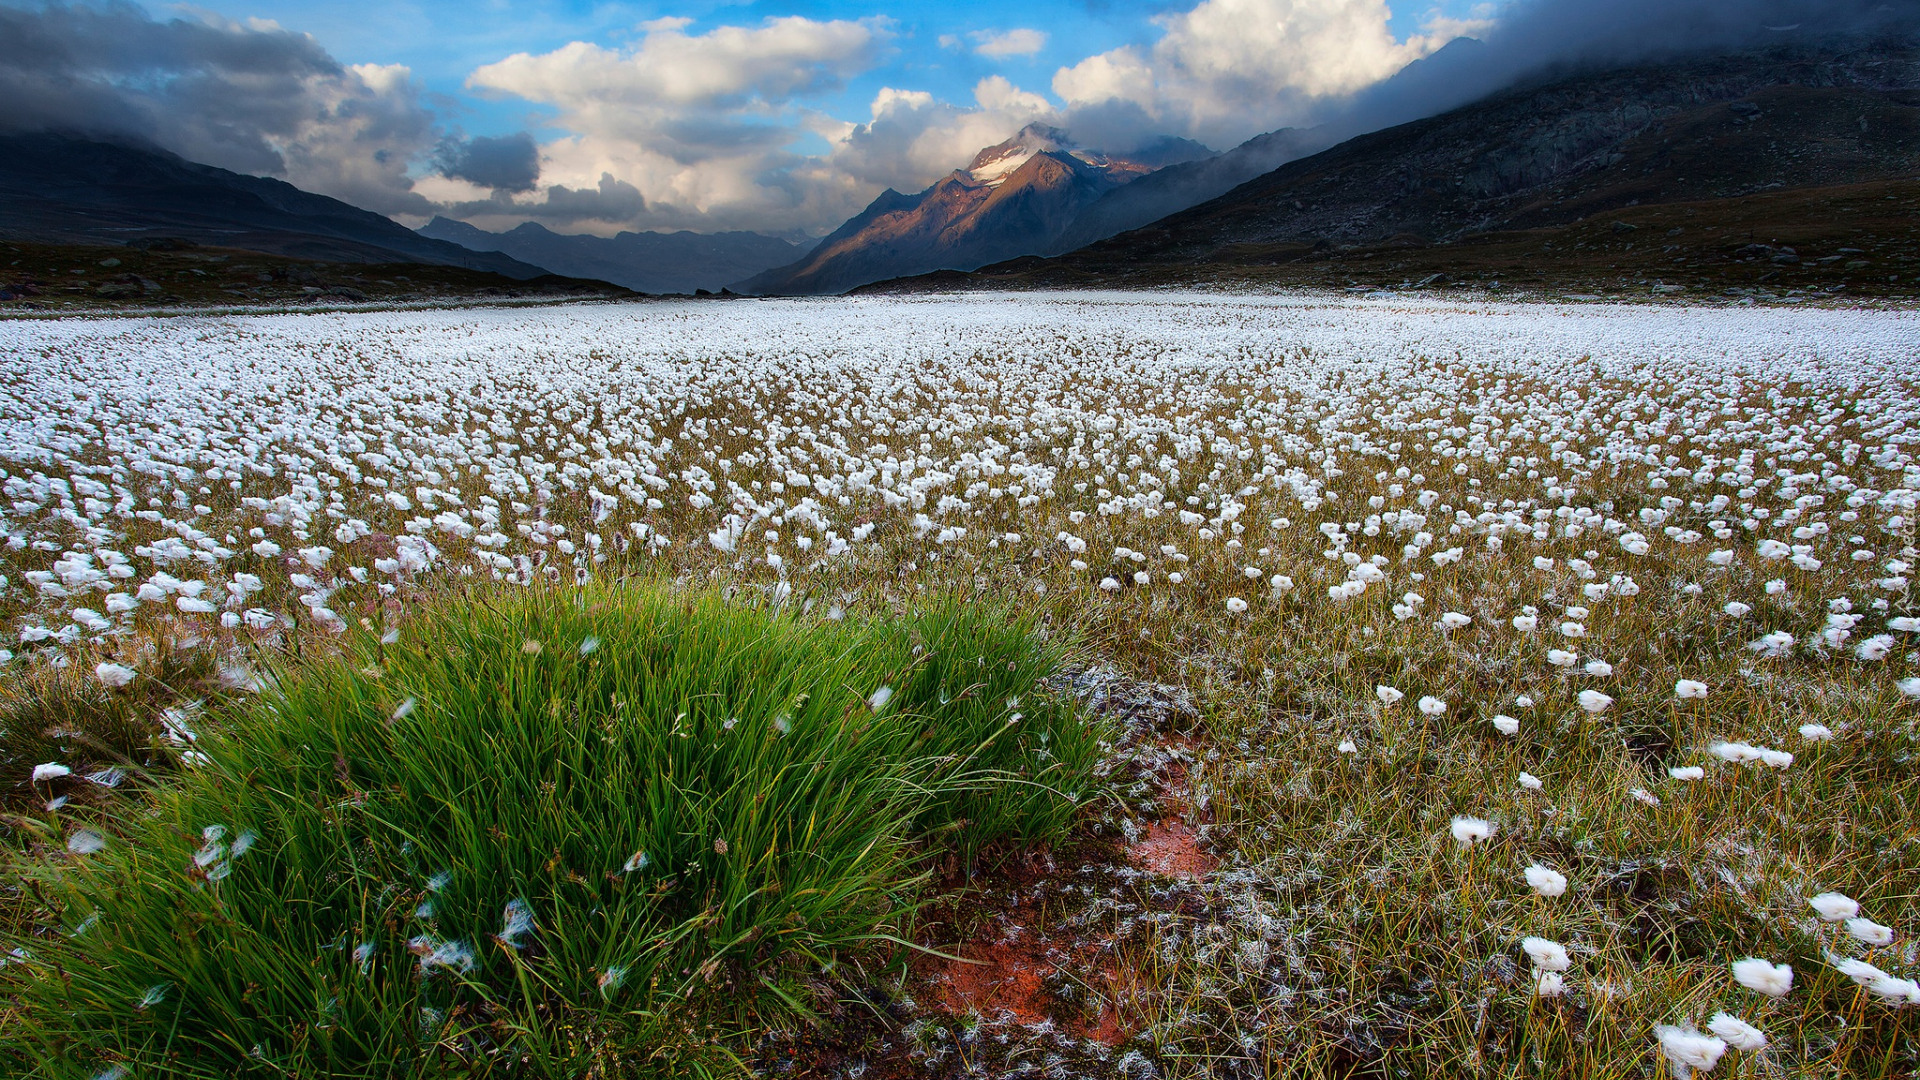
<point x="649" y="262"/>
<point x="1017" y="197"/>
<point x="1544" y="158"/>
<point x="69" y="189"/>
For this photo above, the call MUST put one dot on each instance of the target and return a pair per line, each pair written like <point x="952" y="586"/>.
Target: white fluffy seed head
<point x="1737" y="1033"/>
<point x="1687" y="1049"/>
<point x="1763" y="977"/>
<point x="1471" y="830"/>
<point x="1546" y="881"/>
<point x="1833" y="906"/>
<point x="1546" y="954"/>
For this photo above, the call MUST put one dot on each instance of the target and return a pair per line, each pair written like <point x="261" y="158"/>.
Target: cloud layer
<point x="735" y="126"/>
<point x="252" y="97"/>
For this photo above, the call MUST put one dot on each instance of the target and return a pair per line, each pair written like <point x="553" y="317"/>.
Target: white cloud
<point x="1229" y="69"/>
<point x="775" y="61"/>
<point x="1004" y="43"/>
<point x="689" y="130"/>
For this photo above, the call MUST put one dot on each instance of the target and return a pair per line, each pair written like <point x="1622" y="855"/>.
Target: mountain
<point x="69" y="189"/>
<point x="1014" y="198"/>
<point x="1535" y="176"/>
<point x="1179" y="186"/>
<point x="1421" y="88"/>
<point x="649" y="262"/>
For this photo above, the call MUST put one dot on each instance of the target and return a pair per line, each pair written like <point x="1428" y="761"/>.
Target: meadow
<point x="1546" y="686"/>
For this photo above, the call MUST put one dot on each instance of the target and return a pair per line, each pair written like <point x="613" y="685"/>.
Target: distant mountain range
<point x="649" y="262"/>
<point x="1019" y="196"/>
<point x="72" y="189"/>
<point x="1710" y="133"/>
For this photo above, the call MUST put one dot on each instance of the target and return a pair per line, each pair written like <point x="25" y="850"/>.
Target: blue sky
<point x="784" y="118"/>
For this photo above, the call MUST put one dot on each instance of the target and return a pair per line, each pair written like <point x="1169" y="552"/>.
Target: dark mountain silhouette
<point x="650" y="262"/>
<point x="71" y="189"/>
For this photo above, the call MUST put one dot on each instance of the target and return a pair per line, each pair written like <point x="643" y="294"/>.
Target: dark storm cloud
<point x="1537" y="36"/>
<point x="214" y="93"/>
<point x="253" y="97"/>
<point x="505" y="163"/>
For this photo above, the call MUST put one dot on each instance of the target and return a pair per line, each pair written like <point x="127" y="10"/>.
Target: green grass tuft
<point x="558" y="854"/>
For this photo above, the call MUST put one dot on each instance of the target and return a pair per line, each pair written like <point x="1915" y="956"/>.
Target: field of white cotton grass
<point x="1553" y="668"/>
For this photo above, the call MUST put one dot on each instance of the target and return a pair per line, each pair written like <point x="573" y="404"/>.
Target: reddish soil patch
<point x="1170" y="847"/>
<point x="1017" y="981"/>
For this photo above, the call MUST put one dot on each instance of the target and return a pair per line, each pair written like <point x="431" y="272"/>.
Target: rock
<point x="1623" y="227"/>
<point x="1143" y="706"/>
<point x="1668" y="290"/>
<point x="117" y="290"/>
<point x="1786" y="258"/>
<point x="109" y="262"/>
<point x="344" y="292"/>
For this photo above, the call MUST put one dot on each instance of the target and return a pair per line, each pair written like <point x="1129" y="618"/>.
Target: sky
<point x="784" y="118"/>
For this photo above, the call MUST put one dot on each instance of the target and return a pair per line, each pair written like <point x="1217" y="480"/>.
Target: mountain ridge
<point x="71" y="188"/>
<point x="648" y="262"/>
<point x="1014" y="197"/>
<point x="1542" y="156"/>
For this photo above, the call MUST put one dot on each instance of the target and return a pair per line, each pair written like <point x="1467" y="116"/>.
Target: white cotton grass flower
<point x="1687" y="1049"/>
<point x="1387" y="695"/>
<point x="516" y="921"/>
<point x="1549" y="984"/>
<point x="1737" y="1033"/>
<point x="1868" y="932"/>
<point x="1530" y="781"/>
<point x="1599" y="668"/>
<point x="1775" y="759"/>
<point x="1546" y="881"/>
<point x="1523" y="702"/>
<point x="1645" y="796"/>
<point x="1834" y="907"/>
<point x="1562" y="657"/>
<point x="635" y="862"/>
<point x="1546" y="954"/>
<point x="1859" y="971"/>
<point x="1896" y="992"/>
<point x="1236" y="605"/>
<point x="1506" y="725"/>
<point x="589" y="645"/>
<point x="1471" y="830"/>
<point x="1763" y="977"/>
<point x="1738" y="753"/>
<point x="879" y="698"/>
<point x="86" y="842"/>
<point x="51" y="770"/>
<point x="1432" y="706"/>
<point x="1689" y="689"/>
<point x="405" y="709"/>
<point x="1910" y="687"/>
<point x="1687" y="772"/>
<point x="1594" y="701"/>
<point x="1816" y="732"/>
<point x="1347" y="747"/>
<point x="1453" y="620"/>
<point x="113" y="676"/>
